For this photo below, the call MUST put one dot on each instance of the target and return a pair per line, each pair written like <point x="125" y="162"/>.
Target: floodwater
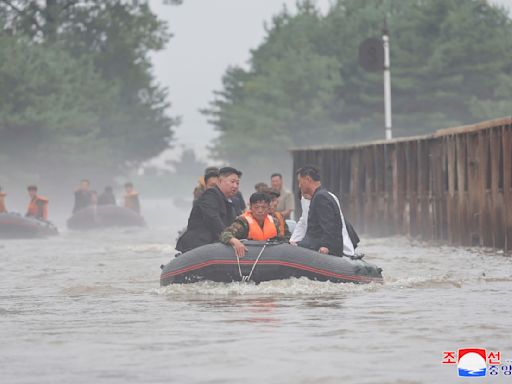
<point x="87" y="308"/>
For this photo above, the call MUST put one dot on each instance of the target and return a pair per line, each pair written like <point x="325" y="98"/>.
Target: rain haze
<point x="210" y="36"/>
<point x="122" y="262"/>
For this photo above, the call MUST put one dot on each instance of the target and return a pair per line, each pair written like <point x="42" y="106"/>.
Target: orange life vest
<point x="38" y="208"/>
<point x="281" y="221"/>
<point x="2" y="202"/>
<point x="268" y="231"/>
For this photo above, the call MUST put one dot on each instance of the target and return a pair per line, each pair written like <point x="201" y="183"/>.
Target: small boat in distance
<point x="103" y="216"/>
<point x="16" y="226"/>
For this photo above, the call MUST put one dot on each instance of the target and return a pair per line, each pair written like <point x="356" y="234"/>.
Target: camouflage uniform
<point x="240" y="230"/>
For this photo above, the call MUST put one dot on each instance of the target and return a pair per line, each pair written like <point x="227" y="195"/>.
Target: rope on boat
<point x="248" y="278"/>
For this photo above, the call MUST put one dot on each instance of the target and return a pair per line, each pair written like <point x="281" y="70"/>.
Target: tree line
<point x="77" y="93"/>
<point x="450" y="65"/>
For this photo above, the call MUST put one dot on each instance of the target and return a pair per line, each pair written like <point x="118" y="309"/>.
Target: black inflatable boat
<point x="16" y="226"/>
<point x="103" y="216"/>
<point x="264" y="262"/>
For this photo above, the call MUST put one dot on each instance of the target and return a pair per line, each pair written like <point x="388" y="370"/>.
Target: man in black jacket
<point x="212" y="212"/>
<point x="83" y="196"/>
<point x="325" y="223"/>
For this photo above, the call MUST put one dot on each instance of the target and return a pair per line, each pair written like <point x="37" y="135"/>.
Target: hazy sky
<point x="209" y="36"/>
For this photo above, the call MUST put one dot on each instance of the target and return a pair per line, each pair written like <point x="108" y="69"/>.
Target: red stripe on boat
<point x="270" y="262"/>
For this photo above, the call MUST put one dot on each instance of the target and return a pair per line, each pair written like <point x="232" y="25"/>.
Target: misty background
<point x="151" y="92"/>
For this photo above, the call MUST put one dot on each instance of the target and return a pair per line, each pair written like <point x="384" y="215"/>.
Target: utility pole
<point x="374" y="57"/>
<point x="387" y="81"/>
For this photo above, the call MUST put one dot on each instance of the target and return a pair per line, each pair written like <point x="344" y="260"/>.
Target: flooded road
<point x="87" y="308"/>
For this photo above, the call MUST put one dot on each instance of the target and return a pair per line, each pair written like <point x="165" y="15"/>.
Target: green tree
<point x="113" y="114"/>
<point x="450" y="65"/>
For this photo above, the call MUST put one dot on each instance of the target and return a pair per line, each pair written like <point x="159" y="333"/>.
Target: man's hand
<point x="238" y="246"/>
<point x="324" y="250"/>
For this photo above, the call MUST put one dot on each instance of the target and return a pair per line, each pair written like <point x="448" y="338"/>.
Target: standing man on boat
<point x="324" y="218"/>
<point x="202" y="183"/>
<point x="38" y="205"/>
<point x="107" y="197"/>
<point x="254" y="224"/>
<point x="131" y="198"/>
<point x="2" y="201"/>
<point x="212" y="212"/>
<point x="286" y="203"/>
<point x="302" y="225"/>
<point x="83" y="196"/>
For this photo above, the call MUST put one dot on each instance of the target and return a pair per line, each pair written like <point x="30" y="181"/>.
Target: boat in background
<point x="16" y="226"/>
<point x="104" y="216"/>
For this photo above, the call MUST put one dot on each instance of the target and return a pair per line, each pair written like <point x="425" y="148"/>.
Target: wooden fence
<point x="453" y="186"/>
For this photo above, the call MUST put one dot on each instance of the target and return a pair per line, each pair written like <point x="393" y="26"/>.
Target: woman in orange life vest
<point x="254" y="224"/>
<point x="38" y="205"/>
<point x="131" y="198"/>
<point x="2" y="201"/>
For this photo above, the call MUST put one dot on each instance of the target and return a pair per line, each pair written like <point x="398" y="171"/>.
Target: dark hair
<point x="211" y="169"/>
<point x="129" y="184"/>
<point x="272" y="192"/>
<point x="276" y="175"/>
<point x="311" y="171"/>
<point x="260" y="187"/>
<point x="226" y="171"/>
<point x="259" y="196"/>
<point x="32" y="187"/>
<point x="209" y="175"/>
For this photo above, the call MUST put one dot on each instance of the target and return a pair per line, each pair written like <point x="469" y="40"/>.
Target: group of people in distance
<point x="219" y="214"/>
<point x="37" y="206"/>
<point x="84" y="197"/>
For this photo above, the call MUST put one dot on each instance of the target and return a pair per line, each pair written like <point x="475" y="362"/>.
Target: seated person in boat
<point x="83" y="196"/>
<point x="131" y="198"/>
<point x="2" y="201"/>
<point x="38" y="205"/>
<point x="326" y="228"/>
<point x="212" y="212"/>
<point x="107" y="197"/>
<point x="284" y="231"/>
<point x="254" y="224"/>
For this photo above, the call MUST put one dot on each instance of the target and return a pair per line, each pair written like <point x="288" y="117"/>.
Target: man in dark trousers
<point x="83" y="196"/>
<point x="326" y="231"/>
<point x="212" y="212"/>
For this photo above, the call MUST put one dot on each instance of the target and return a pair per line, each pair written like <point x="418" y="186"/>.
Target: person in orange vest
<point x="2" y="201"/>
<point x="274" y="200"/>
<point x="38" y="205"/>
<point x="131" y="198"/>
<point x="255" y="224"/>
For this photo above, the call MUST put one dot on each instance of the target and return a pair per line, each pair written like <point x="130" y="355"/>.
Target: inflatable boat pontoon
<point x="103" y="216"/>
<point x="16" y="226"/>
<point x="264" y="262"/>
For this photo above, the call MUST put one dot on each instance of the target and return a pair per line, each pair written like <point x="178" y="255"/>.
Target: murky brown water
<point x="87" y="308"/>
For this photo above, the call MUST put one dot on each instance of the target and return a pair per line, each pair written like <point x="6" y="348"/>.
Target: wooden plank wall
<point x="454" y="186"/>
